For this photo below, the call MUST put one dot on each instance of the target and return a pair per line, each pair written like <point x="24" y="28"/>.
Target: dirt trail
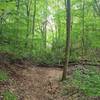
<point x="36" y="83"/>
<point x="29" y="82"/>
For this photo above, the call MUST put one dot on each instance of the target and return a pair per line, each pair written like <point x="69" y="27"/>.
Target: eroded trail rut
<point x="29" y="82"/>
<point x="40" y="83"/>
<point x="36" y="83"/>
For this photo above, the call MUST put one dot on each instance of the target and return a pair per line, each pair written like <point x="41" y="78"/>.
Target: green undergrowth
<point x="7" y="95"/>
<point x="3" y="75"/>
<point x="87" y="80"/>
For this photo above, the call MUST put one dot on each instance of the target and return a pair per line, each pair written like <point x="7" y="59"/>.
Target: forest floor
<point x="30" y="82"/>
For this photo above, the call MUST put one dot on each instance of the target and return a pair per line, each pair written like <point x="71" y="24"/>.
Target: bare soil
<point x="30" y="82"/>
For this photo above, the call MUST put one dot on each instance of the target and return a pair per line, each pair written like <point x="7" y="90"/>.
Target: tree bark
<point x="45" y="24"/>
<point x="34" y="18"/>
<point x="1" y="25"/>
<point x="28" y="21"/>
<point x="83" y="29"/>
<point x="68" y="31"/>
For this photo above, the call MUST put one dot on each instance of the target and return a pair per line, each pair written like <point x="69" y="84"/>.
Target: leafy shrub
<point x="88" y="80"/>
<point x="3" y="76"/>
<point x="9" y="96"/>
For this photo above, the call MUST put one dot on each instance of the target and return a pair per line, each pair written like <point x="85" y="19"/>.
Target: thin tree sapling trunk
<point x="68" y="31"/>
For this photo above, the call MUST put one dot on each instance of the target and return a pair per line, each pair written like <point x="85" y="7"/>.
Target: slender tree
<point x="45" y="24"/>
<point x="28" y="4"/>
<point x="17" y="12"/>
<point x="17" y="21"/>
<point x="34" y="18"/>
<point x="68" y="31"/>
<point x="1" y="21"/>
<point x="83" y="27"/>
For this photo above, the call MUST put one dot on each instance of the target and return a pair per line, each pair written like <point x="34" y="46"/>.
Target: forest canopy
<point x="36" y="29"/>
<point x="50" y="49"/>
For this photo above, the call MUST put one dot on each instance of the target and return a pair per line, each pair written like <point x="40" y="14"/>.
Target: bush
<point x="9" y="96"/>
<point x="3" y="76"/>
<point x="88" y="80"/>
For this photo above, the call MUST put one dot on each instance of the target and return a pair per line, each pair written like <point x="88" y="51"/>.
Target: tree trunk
<point x="17" y="23"/>
<point x="68" y="30"/>
<point x="33" y="26"/>
<point x="17" y="6"/>
<point x="83" y="30"/>
<point x="45" y="24"/>
<point x="1" y="25"/>
<point x="28" y="21"/>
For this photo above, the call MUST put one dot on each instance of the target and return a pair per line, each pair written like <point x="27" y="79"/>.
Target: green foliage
<point x="9" y="96"/>
<point x="3" y="76"/>
<point x="16" y="26"/>
<point x="88" y="80"/>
